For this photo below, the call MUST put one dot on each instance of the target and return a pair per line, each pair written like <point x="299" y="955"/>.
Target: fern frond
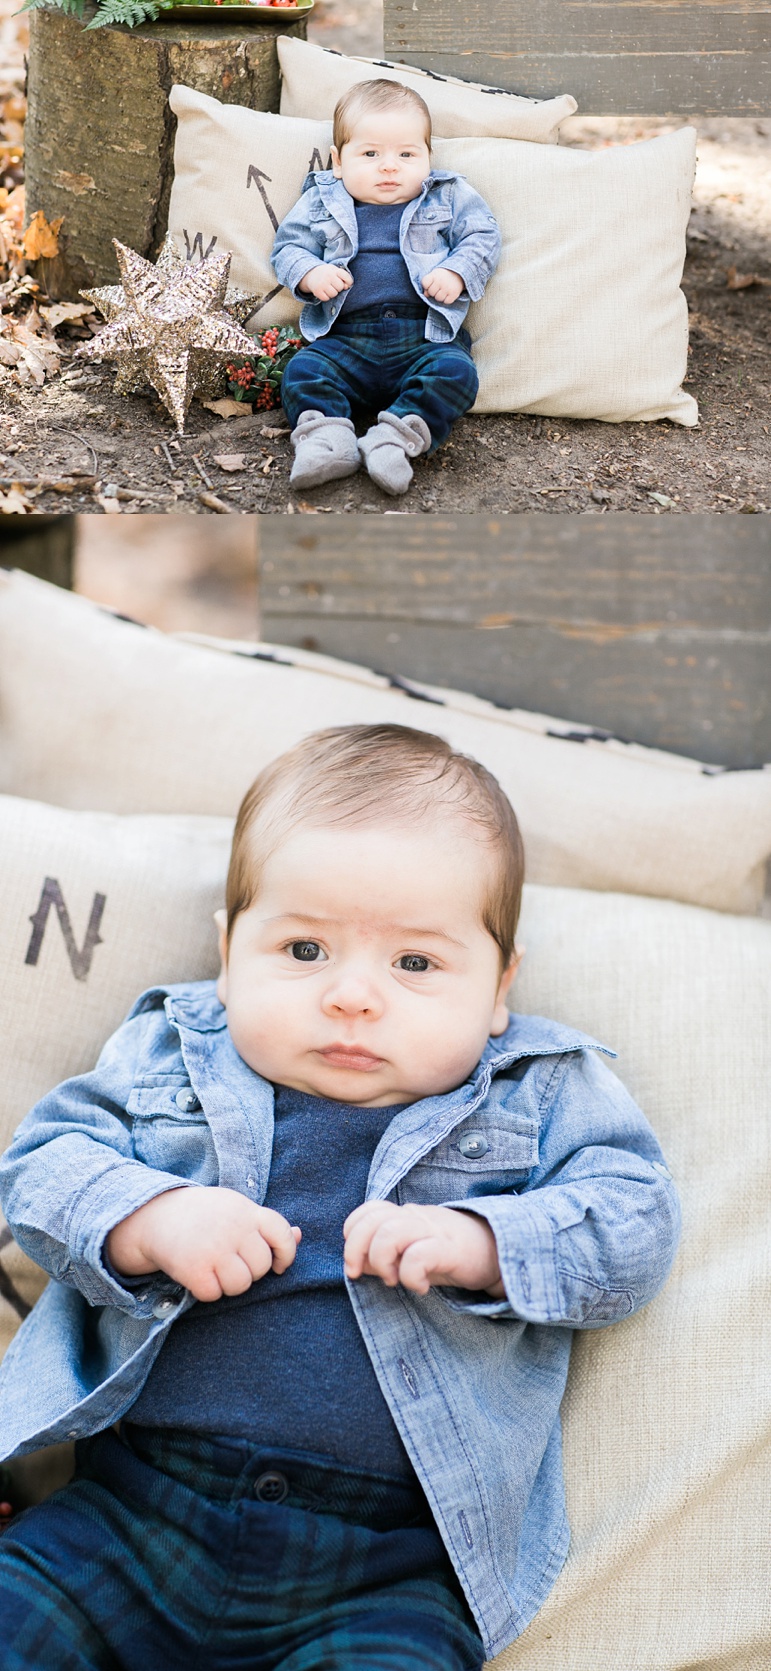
<point x="74" y="8"/>
<point x="129" y="12"/>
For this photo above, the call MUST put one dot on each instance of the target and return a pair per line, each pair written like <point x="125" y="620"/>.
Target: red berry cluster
<point x="241" y="374"/>
<point x="269" y="342"/>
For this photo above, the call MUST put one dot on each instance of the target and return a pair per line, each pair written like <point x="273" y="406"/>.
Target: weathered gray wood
<point x="657" y="629"/>
<point x="100" y="135"/>
<point x="41" y="545"/>
<point x="617" y="57"/>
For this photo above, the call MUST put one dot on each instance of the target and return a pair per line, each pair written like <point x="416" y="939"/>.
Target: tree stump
<point x="100" y="134"/>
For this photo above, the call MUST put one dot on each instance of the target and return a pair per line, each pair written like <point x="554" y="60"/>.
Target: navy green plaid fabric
<point x="380" y="359"/>
<point x="160" y="1556"/>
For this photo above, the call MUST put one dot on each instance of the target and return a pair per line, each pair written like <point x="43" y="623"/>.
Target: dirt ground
<point x="118" y="455"/>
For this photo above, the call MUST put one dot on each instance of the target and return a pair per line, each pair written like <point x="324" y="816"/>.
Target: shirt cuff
<point x="110" y="1198"/>
<point x="294" y="272"/>
<point x="469" y="271"/>
<point x="524" y="1237"/>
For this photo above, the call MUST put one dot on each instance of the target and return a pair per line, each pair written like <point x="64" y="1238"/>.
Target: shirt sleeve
<point x="70" y="1176"/>
<point x="592" y="1237"/>
<point x="297" y="248"/>
<point x="476" y="240"/>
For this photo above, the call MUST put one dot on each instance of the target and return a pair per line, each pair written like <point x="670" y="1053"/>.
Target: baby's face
<point x="386" y="158"/>
<point x="362" y="972"/>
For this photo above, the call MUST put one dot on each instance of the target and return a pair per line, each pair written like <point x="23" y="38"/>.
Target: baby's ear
<point x="221" y="920"/>
<point x="501" y="1013"/>
<point x="337" y="167"/>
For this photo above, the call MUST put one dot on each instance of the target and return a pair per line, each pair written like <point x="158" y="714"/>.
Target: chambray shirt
<point x="447" y="222"/>
<point x="542" y="1139"/>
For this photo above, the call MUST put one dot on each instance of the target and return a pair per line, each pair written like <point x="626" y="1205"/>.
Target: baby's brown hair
<point x="359" y="774"/>
<point x="375" y="95"/>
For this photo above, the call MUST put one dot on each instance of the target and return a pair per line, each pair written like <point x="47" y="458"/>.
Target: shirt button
<point x="271" y="1487"/>
<point x="473" y="1145"/>
<point x="250" y="1183"/>
<point x="164" y="1307"/>
<point x="187" y="1101"/>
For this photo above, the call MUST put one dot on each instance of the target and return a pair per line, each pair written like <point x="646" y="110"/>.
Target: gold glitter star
<point x="169" y="325"/>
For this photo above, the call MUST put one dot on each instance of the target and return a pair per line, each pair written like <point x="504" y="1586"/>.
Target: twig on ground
<point x="212" y="503"/>
<point x="63" y="429"/>
<point x="49" y="484"/>
<point x="205" y="478"/>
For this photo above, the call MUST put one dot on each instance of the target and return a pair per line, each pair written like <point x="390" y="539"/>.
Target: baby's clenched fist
<point x="443" y="285"/>
<point x="422" y="1247"/>
<point x="213" y="1241"/>
<point x="326" y="281"/>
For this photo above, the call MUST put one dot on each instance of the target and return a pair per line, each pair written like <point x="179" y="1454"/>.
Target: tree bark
<point x="100" y="134"/>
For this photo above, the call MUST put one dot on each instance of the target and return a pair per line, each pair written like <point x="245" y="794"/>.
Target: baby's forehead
<point x="402" y="122"/>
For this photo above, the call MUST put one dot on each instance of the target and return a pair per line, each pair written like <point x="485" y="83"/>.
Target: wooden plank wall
<point x="657" y="629"/>
<point x="42" y="545"/>
<point x="617" y="57"/>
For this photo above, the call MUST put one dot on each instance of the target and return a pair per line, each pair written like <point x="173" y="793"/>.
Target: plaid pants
<point x="173" y="1552"/>
<point x="381" y="359"/>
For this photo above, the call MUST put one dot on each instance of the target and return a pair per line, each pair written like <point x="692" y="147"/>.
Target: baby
<point x="387" y="254"/>
<point x="319" y="1233"/>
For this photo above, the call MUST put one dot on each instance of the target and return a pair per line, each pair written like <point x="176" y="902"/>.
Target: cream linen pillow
<point x="127" y="720"/>
<point x="314" y="78"/>
<point x="93" y="909"/>
<point x="667" y="1430"/>
<point x="584" y="317"/>
<point x="667" y="1426"/>
<point x="237" y="173"/>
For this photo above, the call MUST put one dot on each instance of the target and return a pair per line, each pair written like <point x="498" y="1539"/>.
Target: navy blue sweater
<point x="379" y="270"/>
<point x="284" y="1364"/>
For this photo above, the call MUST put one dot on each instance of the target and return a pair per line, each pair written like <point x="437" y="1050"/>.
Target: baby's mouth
<point x="351" y="1056"/>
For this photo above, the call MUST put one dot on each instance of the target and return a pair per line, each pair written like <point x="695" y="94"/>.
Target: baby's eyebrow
<point x="396" y="928"/>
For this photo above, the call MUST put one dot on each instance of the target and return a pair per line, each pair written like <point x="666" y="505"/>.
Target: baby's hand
<point x="443" y="284"/>
<point x="210" y="1240"/>
<point x="325" y="281"/>
<point x="421" y="1247"/>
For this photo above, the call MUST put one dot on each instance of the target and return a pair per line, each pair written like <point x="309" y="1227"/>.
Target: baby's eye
<point x="413" y="963"/>
<point x="306" y="951"/>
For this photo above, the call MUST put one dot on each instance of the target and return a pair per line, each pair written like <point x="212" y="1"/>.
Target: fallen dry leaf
<point x="41" y="238"/>
<point x="109" y="506"/>
<point x="14" y="503"/>
<point x="59" y="312"/>
<point x="739" y="281"/>
<point x="226" y="408"/>
<point x="270" y="431"/>
<point x="230" y="461"/>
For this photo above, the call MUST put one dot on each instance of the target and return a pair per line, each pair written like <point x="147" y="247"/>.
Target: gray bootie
<point x="325" y="448"/>
<point x="388" y="447"/>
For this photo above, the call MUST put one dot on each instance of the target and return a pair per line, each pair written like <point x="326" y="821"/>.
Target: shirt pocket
<point x="327" y="231"/>
<point x="476" y="1159"/>
<point x="429" y="230"/>
<point x="170" y="1131"/>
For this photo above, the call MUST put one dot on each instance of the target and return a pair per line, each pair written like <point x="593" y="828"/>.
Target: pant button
<point x="389" y="314"/>
<point x="271" y="1487"/>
